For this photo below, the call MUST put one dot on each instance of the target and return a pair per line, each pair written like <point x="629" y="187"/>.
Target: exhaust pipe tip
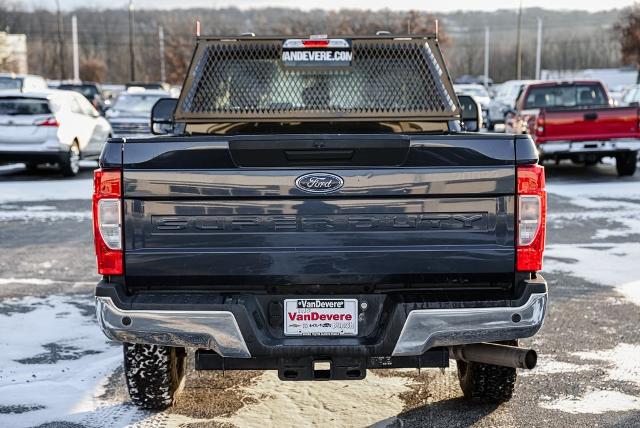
<point x="530" y="359"/>
<point x="499" y="355"/>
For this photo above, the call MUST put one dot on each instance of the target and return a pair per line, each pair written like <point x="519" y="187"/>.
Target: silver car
<point x="130" y="115"/>
<point x="56" y="127"/>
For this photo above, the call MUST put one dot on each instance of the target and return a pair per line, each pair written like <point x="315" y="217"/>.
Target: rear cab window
<point x="10" y="83"/>
<point x="569" y="95"/>
<point x="89" y="91"/>
<point x="15" y="106"/>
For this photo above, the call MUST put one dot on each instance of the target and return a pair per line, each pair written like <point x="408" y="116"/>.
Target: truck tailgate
<point x="590" y="124"/>
<point x="411" y="210"/>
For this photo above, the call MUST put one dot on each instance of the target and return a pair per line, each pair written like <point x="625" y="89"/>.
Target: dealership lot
<point x="56" y="366"/>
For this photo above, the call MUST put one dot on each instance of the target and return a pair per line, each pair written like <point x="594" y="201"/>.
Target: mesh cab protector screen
<point x="274" y="79"/>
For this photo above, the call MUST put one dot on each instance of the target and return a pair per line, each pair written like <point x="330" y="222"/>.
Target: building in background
<point x="13" y="53"/>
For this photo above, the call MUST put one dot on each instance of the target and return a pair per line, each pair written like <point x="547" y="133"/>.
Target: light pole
<point x="539" y="49"/>
<point x="163" y="72"/>
<point x="486" y="57"/>
<point x="519" y="45"/>
<point x="60" y="42"/>
<point x="76" y="55"/>
<point x="132" y="58"/>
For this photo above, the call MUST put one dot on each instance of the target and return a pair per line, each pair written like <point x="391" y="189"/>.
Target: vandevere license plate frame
<point x="321" y="317"/>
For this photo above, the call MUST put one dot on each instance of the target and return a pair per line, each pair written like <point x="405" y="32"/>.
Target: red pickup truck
<point x="576" y="120"/>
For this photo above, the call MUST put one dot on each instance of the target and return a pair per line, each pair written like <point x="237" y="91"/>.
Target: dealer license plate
<point x="329" y="317"/>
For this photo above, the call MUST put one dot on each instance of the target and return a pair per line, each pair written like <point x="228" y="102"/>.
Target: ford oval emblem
<point x="319" y="182"/>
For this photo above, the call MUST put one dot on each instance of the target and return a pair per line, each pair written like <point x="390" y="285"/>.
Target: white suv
<point x="59" y="127"/>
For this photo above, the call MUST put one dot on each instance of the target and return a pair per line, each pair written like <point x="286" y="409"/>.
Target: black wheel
<point x="153" y="374"/>
<point x="626" y="164"/>
<point x="70" y="164"/>
<point x="485" y="382"/>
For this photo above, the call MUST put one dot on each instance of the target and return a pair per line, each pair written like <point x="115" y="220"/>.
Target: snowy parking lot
<point x="57" y="369"/>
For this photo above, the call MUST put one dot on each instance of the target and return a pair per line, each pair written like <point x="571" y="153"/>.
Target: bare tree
<point x="571" y="39"/>
<point x="628" y="29"/>
<point x="93" y="70"/>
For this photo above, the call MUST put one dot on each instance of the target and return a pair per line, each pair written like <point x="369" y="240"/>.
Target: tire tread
<point x="486" y="382"/>
<point x="153" y="374"/>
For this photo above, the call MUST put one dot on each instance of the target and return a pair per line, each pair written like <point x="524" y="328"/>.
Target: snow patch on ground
<point x="609" y="195"/>
<point x="616" y="267"/>
<point x="54" y="346"/>
<point x="43" y="281"/>
<point x="51" y="190"/>
<point x="595" y="402"/>
<point x="334" y="403"/>
<point x="44" y="216"/>
<point x="627" y="219"/>
<point x="631" y="290"/>
<point x="623" y="362"/>
<point x="601" y="199"/>
<point x="29" y="281"/>
<point x="548" y="365"/>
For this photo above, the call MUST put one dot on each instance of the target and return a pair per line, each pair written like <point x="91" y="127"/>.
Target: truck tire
<point x="487" y="383"/>
<point x="626" y="164"/>
<point x="70" y="163"/>
<point x="153" y="374"/>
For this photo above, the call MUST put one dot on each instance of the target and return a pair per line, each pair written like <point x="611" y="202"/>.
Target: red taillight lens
<point x="531" y="212"/>
<point x="107" y="221"/>
<point x="540" y="125"/>
<point x="50" y="121"/>
<point x="315" y="43"/>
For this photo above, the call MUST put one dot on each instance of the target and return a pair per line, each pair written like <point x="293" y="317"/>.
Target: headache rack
<point x="266" y="79"/>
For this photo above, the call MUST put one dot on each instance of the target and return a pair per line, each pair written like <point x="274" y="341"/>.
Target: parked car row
<point x="61" y="126"/>
<point x="576" y="120"/>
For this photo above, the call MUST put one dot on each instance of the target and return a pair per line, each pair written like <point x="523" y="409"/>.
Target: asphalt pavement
<point x="57" y="370"/>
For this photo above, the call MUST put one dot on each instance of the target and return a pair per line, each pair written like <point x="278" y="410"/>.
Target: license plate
<point x="320" y="317"/>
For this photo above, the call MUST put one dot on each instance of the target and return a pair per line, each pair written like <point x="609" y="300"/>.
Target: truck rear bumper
<point x="234" y="330"/>
<point x="428" y="328"/>
<point x="215" y="330"/>
<point x="567" y="149"/>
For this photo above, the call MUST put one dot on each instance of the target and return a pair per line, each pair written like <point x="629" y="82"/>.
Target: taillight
<point x="107" y="221"/>
<point x="315" y="43"/>
<point x="531" y="212"/>
<point x="50" y="121"/>
<point x="539" y="131"/>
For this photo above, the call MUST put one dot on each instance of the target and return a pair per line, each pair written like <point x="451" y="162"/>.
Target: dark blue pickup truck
<point x="316" y="208"/>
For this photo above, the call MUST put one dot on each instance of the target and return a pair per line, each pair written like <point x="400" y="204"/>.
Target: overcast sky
<point x="428" y="5"/>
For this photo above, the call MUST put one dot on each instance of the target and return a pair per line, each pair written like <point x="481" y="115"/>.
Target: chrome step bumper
<point x="216" y="330"/>
<point x="428" y="328"/>
<point x="423" y="329"/>
<point x="587" y="147"/>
